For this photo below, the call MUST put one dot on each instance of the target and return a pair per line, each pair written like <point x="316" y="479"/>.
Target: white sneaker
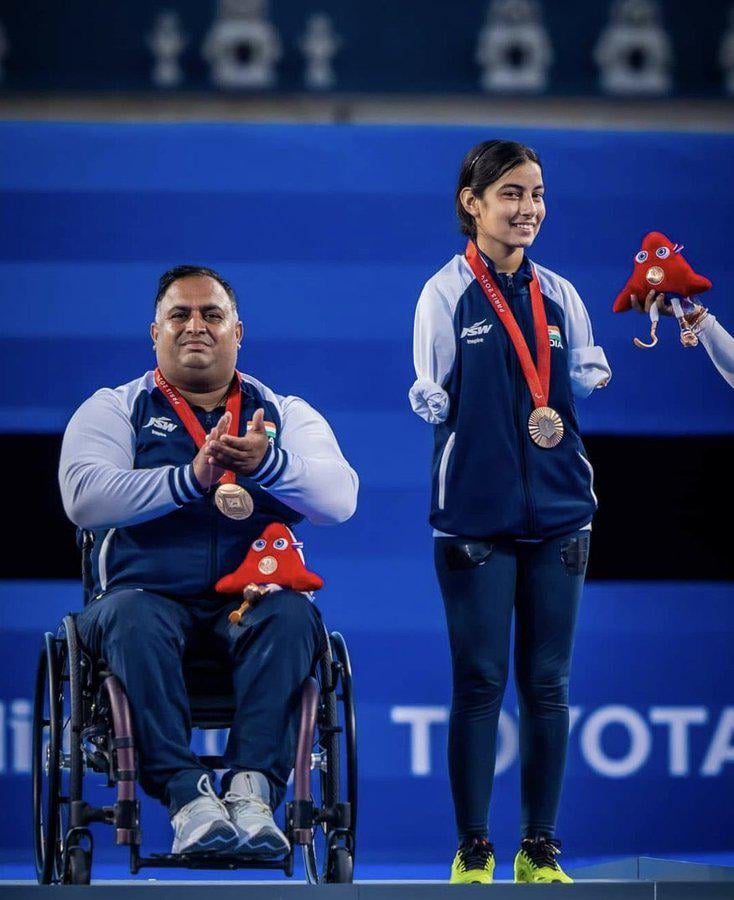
<point x="249" y="809"/>
<point x="203" y="825"/>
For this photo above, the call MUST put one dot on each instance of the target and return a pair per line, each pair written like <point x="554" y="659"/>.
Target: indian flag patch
<point x="270" y="429"/>
<point x="554" y="333"/>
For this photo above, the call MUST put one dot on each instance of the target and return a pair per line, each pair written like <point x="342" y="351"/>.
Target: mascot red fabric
<point x="274" y="558"/>
<point x="659" y="266"/>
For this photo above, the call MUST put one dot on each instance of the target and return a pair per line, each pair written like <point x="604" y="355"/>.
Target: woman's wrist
<point x="695" y="319"/>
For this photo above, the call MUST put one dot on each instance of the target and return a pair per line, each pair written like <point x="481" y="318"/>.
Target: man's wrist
<point x="185" y="486"/>
<point x="271" y="466"/>
<point x="202" y="489"/>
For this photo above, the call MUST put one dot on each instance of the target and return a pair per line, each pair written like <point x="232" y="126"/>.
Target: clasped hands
<point x="226" y="452"/>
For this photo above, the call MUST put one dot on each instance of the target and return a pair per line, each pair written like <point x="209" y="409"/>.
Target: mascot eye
<point x="641" y="256"/>
<point x="259" y="544"/>
<point x="280" y="544"/>
<point x="662" y="252"/>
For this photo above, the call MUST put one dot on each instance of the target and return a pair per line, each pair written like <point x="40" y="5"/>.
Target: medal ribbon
<point x="538" y="379"/>
<point x="191" y="423"/>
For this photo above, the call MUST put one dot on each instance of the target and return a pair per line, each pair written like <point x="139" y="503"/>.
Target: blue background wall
<point x="328" y="235"/>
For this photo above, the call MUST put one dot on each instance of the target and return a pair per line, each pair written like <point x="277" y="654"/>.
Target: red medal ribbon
<point x="191" y="423"/>
<point x="538" y="379"/>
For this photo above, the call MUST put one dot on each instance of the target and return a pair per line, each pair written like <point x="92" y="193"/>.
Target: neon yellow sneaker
<point x="536" y="862"/>
<point x="473" y="863"/>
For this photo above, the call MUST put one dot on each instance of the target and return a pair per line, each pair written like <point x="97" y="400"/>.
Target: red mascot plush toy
<point x="659" y="266"/>
<point x="273" y="560"/>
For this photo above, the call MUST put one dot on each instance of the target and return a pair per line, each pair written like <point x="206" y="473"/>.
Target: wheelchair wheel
<point x="341" y="867"/>
<point x="329" y="858"/>
<point x="346" y="698"/>
<point x="62" y="853"/>
<point x="46" y="749"/>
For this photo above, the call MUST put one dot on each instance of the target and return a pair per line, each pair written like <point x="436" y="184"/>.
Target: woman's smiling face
<point x="511" y="209"/>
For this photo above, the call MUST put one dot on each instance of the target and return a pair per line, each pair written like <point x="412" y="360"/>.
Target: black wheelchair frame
<point x="82" y="723"/>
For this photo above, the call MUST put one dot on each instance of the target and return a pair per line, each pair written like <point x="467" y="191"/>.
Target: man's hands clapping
<point x="207" y="473"/>
<point x="222" y="451"/>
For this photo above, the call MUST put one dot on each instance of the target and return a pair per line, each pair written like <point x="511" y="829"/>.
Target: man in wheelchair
<point x="177" y="474"/>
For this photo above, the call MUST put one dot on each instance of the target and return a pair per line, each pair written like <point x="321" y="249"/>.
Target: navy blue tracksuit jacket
<point x="489" y="479"/>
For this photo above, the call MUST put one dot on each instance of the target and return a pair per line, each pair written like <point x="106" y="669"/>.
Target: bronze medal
<point x="267" y="565"/>
<point x="654" y="275"/>
<point x="545" y="427"/>
<point x="233" y="501"/>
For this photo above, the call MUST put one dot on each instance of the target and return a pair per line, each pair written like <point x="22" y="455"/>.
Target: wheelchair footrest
<point x="212" y="861"/>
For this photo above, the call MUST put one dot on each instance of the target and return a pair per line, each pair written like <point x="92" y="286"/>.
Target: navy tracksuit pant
<point x="482" y="583"/>
<point x="143" y="637"/>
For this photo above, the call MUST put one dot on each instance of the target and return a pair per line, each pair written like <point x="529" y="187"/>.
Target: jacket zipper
<point x="588" y="465"/>
<point x="213" y="519"/>
<point x="443" y="466"/>
<point x="213" y="537"/>
<point x="520" y="387"/>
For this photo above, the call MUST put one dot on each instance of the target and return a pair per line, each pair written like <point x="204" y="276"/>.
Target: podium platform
<point x="648" y="868"/>
<point x="631" y="878"/>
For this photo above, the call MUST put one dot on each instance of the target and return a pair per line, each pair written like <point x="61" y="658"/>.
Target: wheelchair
<point x="82" y="725"/>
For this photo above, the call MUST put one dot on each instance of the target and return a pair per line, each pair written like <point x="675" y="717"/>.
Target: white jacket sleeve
<point x="719" y="345"/>
<point x="99" y="486"/>
<point x="308" y="471"/>
<point x="434" y="351"/>
<point x="587" y="362"/>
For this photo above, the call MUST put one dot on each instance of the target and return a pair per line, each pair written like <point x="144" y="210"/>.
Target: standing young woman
<point x="501" y="347"/>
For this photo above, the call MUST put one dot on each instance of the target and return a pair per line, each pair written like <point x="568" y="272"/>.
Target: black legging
<point x="482" y="583"/>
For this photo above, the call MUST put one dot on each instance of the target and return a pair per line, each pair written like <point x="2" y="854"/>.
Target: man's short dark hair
<point x="167" y="279"/>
